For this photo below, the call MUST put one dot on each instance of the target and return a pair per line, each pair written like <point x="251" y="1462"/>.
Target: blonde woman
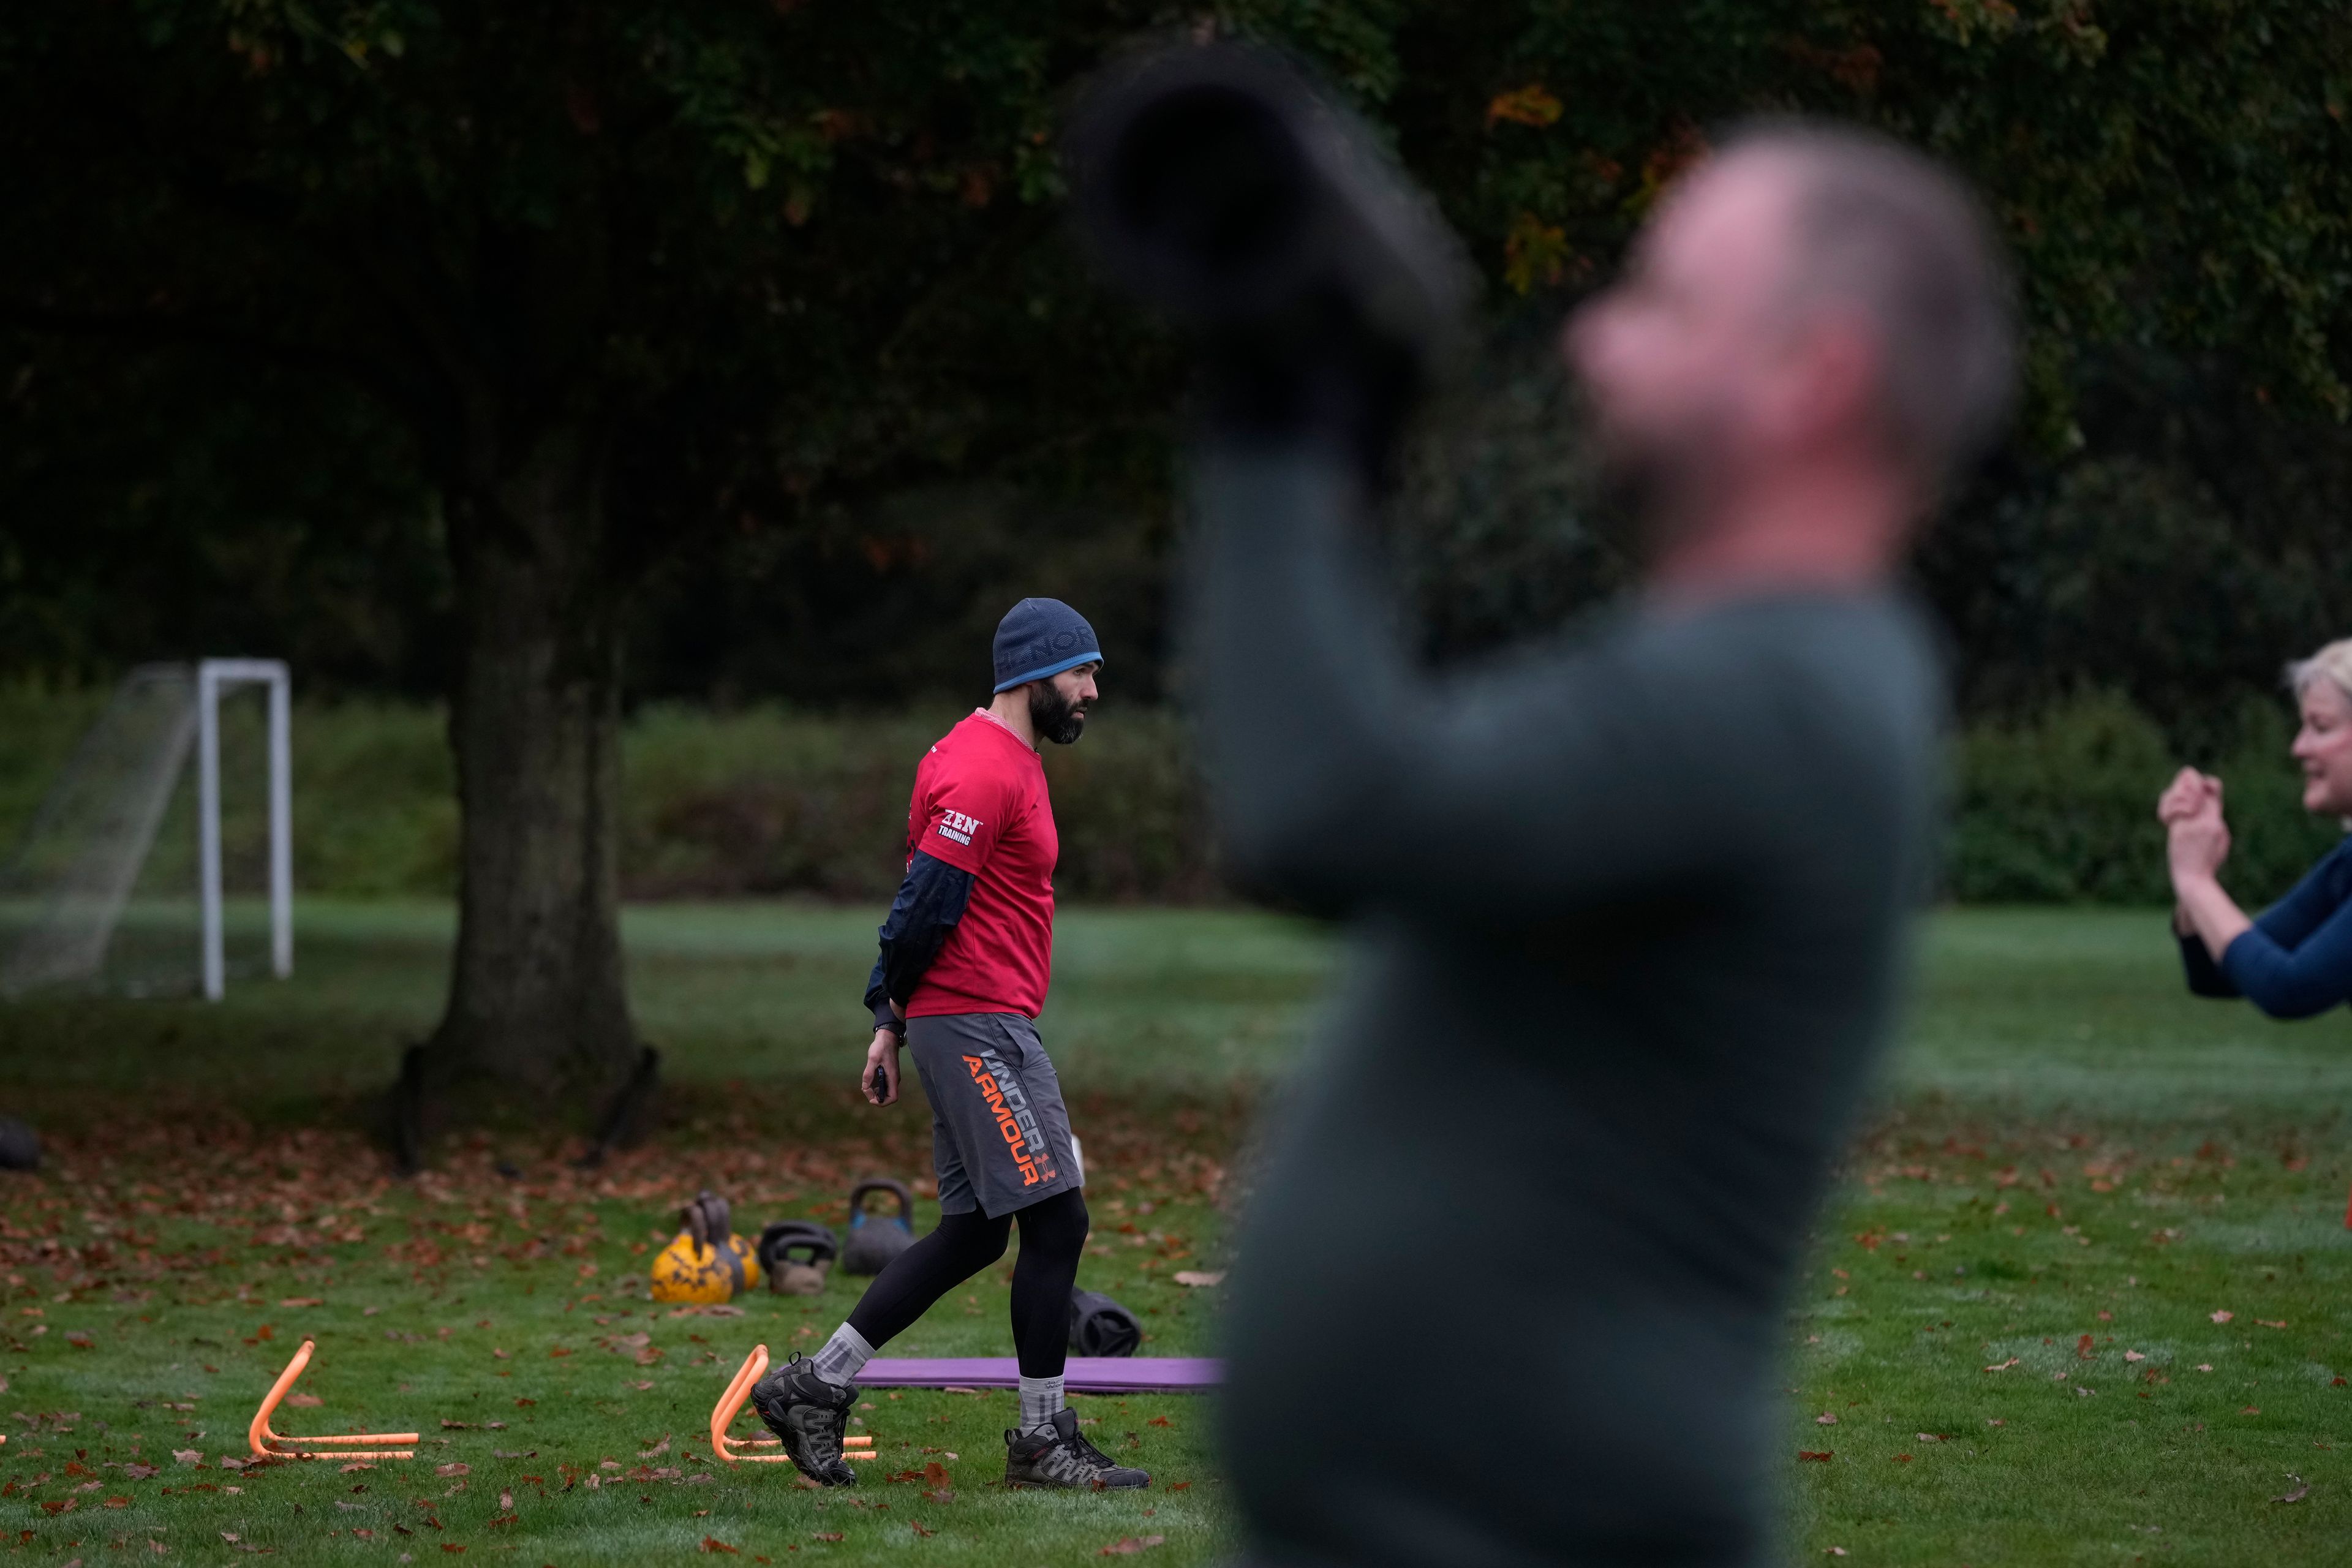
<point x="2295" y="959"/>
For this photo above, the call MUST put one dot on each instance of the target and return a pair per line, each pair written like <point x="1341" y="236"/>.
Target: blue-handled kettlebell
<point x="875" y="1240"/>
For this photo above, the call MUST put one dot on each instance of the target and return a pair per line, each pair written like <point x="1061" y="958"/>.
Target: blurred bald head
<point x="1809" y="306"/>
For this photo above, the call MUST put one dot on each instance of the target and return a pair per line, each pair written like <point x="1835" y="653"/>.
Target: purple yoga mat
<point x="1084" y="1374"/>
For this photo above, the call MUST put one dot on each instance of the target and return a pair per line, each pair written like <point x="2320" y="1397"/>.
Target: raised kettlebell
<point x="795" y="1254"/>
<point x="875" y="1240"/>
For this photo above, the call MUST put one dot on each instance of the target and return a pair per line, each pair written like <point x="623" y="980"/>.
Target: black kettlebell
<point x="875" y="1240"/>
<point x="1100" y="1326"/>
<point x="795" y="1255"/>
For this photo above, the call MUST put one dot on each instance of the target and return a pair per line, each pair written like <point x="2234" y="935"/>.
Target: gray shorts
<point x="999" y="1134"/>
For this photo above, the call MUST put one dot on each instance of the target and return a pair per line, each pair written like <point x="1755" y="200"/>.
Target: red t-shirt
<point x="979" y="804"/>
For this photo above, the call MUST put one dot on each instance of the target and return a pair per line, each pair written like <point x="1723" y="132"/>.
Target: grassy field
<point x="2078" y="1177"/>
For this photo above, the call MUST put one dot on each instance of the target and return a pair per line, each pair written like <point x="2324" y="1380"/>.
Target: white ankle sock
<point x="846" y="1354"/>
<point x="1040" y="1398"/>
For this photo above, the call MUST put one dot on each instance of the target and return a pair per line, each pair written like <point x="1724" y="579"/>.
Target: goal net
<point x="158" y="861"/>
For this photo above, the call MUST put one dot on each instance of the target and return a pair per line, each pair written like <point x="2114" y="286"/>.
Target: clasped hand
<point x="2196" y="838"/>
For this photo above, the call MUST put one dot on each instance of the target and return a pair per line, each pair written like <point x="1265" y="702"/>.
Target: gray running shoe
<point x="1062" y="1459"/>
<point x="810" y="1416"/>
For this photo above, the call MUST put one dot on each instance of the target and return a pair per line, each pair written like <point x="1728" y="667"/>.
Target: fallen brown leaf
<point x="2302" y="1489"/>
<point x="455" y="1468"/>
<point x="307" y="1401"/>
<point x="712" y="1544"/>
<point x="917" y="1526"/>
<point x="139" y="1472"/>
<point x="2224" y="1317"/>
<point x="1825" y="1419"/>
<point x="1819" y="1456"/>
<point x="2004" y="1366"/>
<point x="824" y="1534"/>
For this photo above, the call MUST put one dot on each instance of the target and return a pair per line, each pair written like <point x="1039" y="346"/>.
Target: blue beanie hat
<point x="1038" y="637"/>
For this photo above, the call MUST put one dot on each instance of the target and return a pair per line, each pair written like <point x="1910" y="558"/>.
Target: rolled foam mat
<point x="1084" y="1374"/>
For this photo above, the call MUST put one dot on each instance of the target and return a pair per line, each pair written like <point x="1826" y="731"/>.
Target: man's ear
<point x="1829" y="380"/>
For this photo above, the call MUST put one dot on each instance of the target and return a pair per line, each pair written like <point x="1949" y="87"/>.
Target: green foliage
<point x="788" y="262"/>
<point x="2172" y="175"/>
<point x="2062" y="809"/>
<point x="769" y="800"/>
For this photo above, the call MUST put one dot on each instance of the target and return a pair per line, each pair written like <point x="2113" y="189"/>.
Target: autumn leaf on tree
<point x="1528" y="105"/>
<point x="1534" y="252"/>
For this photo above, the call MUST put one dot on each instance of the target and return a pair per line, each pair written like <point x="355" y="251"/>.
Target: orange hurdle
<point x="722" y="1416"/>
<point x="265" y="1443"/>
<point x="723" y="1413"/>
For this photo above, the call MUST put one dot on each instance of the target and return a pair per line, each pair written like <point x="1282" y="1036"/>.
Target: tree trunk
<point x="539" y="1010"/>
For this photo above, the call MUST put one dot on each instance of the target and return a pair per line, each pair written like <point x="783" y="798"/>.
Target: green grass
<point x="2065" y="1135"/>
<point x="2075" y="1148"/>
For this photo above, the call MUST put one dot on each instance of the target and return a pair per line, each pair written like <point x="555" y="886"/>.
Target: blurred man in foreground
<point x="1629" y="915"/>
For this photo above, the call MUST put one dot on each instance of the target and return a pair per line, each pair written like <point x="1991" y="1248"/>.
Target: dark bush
<point x="2062" y="809"/>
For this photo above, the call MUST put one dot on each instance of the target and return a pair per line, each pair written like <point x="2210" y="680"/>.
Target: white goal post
<point x="66" y="889"/>
<point x="212" y="676"/>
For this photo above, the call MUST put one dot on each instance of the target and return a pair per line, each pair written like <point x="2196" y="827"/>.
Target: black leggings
<point x="1053" y="1235"/>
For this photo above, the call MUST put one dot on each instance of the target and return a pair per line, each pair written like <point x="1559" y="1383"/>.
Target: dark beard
<point x="1054" y="716"/>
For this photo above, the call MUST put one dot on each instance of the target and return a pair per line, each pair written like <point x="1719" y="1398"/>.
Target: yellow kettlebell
<point x="707" y="1262"/>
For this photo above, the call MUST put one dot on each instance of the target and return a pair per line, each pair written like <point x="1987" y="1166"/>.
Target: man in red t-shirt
<point x="966" y="956"/>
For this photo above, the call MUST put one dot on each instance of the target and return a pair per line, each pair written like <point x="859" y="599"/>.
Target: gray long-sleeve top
<point x="1508" y="1288"/>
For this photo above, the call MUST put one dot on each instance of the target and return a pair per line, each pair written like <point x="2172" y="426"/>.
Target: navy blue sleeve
<point x="929" y="902"/>
<point x="2312" y="903"/>
<point x="2205" y="976"/>
<point x="2296" y="959"/>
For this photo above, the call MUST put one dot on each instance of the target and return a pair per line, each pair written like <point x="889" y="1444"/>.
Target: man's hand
<point x="884" y="1053"/>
